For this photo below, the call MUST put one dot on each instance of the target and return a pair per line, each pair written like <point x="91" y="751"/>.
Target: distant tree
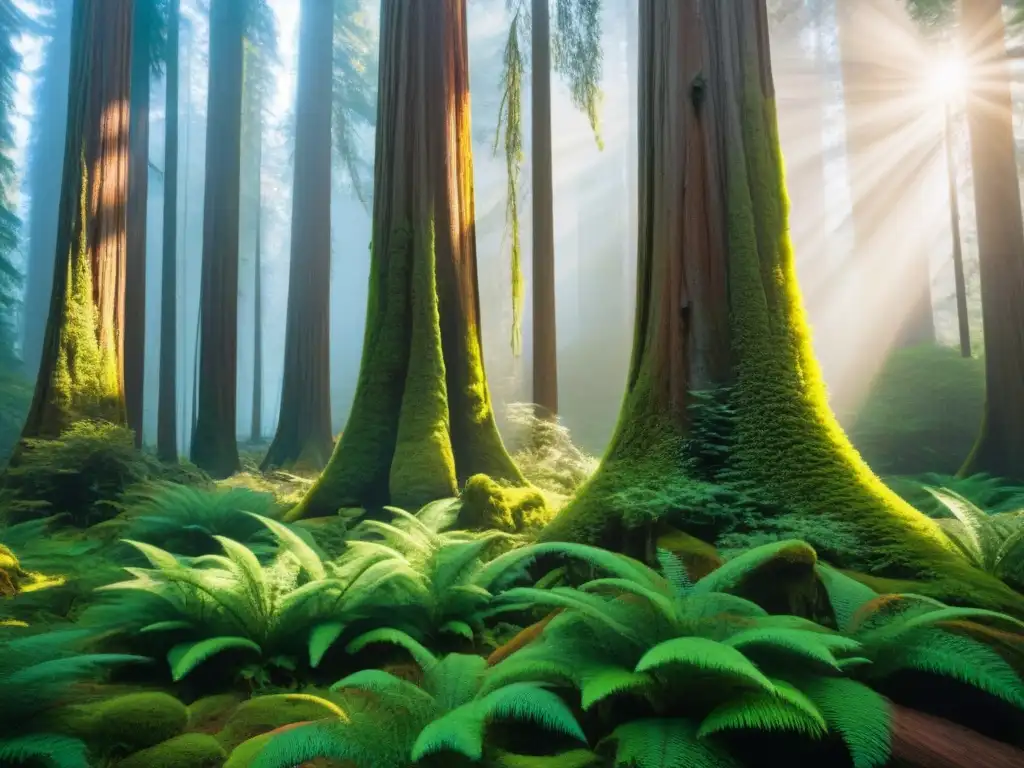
<point x="12" y="22"/>
<point x="166" y="429"/>
<point x="354" y="96"/>
<point x="45" y="158"/>
<point x="725" y="413"/>
<point x="421" y="422"/>
<point x="81" y="372"/>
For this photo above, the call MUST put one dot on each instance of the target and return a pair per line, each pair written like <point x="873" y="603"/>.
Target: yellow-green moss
<point x="265" y="713"/>
<point x="126" y="724"/>
<point x="210" y="713"/>
<point x="190" y="750"/>
<point x="490" y="505"/>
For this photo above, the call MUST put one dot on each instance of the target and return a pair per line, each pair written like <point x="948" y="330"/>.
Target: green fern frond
<point x="441" y="514"/>
<point x="606" y="681"/>
<point x="378" y="681"/>
<point x="185" y="657"/>
<point x="166" y="626"/>
<point x="862" y="717"/>
<point x="455" y="680"/>
<point x="331" y="740"/>
<point x="809" y="646"/>
<point x="730" y="575"/>
<point x="460" y="731"/>
<point x="524" y="702"/>
<point x="759" y="711"/>
<point x="619" y="586"/>
<point x="977" y="538"/>
<point x="847" y="596"/>
<point x="654" y="743"/>
<point x="705" y="656"/>
<point x="398" y="538"/>
<point x="322" y="638"/>
<point x="403" y="640"/>
<point x="563" y="597"/>
<point x="577" y="758"/>
<point x="459" y="629"/>
<point x="612" y="563"/>
<point x="308" y="558"/>
<point x="674" y="571"/>
<point x="46" y="750"/>
<point x="157" y="557"/>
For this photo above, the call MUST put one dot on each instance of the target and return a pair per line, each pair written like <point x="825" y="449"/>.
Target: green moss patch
<point x="127" y="724"/>
<point x="491" y="505"/>
<point x="265" y="713"/>
<point x="190" y="750"/>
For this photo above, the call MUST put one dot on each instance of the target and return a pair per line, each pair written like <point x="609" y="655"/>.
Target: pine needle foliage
<point x="37" y="673"/>
<point x="404" y="723"/>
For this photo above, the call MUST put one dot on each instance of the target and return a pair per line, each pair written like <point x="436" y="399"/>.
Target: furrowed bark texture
<point x="167" y="407"/>
<point x="214" y="445"/>
<point x="719" y="310"/>
<point x="421" y="420"/>
<point x="81" y="372"/>
<point x="138" y="193"/>
<point x="1000" y="447"/>
<point x="303" y="436"/>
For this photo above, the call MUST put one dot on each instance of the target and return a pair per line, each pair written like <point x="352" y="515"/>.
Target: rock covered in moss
<point x="490" y="505"/>
<point x="210" y="713"/>
<point x="126" y="724"/>
<point x="11" y="574"/>
<point x="190" y="750"/>
<point x="266" y="713"/>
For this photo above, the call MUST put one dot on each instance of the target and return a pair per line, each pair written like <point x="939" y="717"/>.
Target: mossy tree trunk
<point x="1000" y="447"/>
<point x="81" y="373"/>
<point x="303" y="437"/>
<point x="138" y="197"/>
<point x="214" y="444"/>
<point x="46" y="153"/>
<point x="545" y="339"/>
<point x="167" y="407"/>
<point x="421" y="420"/>
<point x="719" y="313"/>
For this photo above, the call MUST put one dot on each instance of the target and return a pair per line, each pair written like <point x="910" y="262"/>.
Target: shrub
<point x="923" y="412"/>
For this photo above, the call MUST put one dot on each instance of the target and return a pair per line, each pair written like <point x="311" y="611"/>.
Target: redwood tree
<point x="303" y="435"/>
<point x="167" y="407"/>
<point x="421" y="421"/>
<point x="1000" y="447"/>
<point x="81" y="372"/>
<point x="725" y="414"/>
<point x="214" y="445"/>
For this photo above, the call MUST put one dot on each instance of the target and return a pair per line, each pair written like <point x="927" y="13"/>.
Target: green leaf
<point x="666" y="743"/>
<point x="701" y="655"/>
<point x="760" y="711"/>
<point x="605" y="681"/>
<point x="459" y="628"/>
<point x="417" y="650"/>
<point x="308" y="559"/>
<point x="321" y="638"/>
<point x="185" y="657"/>
<point x="861" y="716"/>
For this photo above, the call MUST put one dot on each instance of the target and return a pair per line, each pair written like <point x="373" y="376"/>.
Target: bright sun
<point x="948" y="76"/>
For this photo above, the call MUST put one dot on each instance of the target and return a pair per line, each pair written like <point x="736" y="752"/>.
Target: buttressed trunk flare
<point x="720" y="324"/>
<point x="421" y="422"/>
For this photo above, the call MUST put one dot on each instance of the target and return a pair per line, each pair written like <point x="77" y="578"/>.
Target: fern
<point x="186" y="657"/>
<point x="763" y="712"/>
<point x="48" y="750"/>
<point x="666" y="744"/>
<point x="699" y="655"/>
<point x="861" y="716"/>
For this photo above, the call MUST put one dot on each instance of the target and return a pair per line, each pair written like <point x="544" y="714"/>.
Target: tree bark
<point x="421" y="421"/>
<point x="545" y="338"/>
<point x="166" y="429"/>
<point x="720" y="314"/>
<point x="303" y="437"/>
<point x="81" y="373"/>
<point x="1000" y="447"/>
<point x="214" y="443"/>
<point x="46" y="154"/>
<point x="256" y="429"/>
<point x="138" y="195"/>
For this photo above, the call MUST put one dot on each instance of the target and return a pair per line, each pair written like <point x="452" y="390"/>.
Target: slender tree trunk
<point x="46" y="155"/>
<point x="81" y="373"/>
<point x="303" y="435"/>
<point x="256" y="432"/>
<point x="959" y="280"/>
<point x="725" y="409"/>
<point x="421" y="421"/>
<point x="1000" y="447"/>
<point x="166" y="429"/>
<point x="545" y="338"/>
<point x="214" y="442"/>
<point x="138" y="195"/>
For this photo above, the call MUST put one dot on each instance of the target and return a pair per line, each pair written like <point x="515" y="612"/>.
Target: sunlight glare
<point x="948" y="76"/>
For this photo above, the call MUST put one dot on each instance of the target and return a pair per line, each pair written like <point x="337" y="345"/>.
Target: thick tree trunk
<point x="884" y="103"/>
<point x="46" y="155"/>
<point x="421" y="421"/>
<point x="1000" y="447"/>
<point x="545" y="339"/>
<point x="303" y="434"/>
<point x="256" y="428"/>
<point x="214" y="443"/>
<point x="166" y="430"/>
<point x="138" y="196"/>
<point x="81" y="373"/>
<point x="720" y="313"/>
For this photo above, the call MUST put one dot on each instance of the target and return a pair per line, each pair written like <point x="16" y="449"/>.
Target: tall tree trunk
<point x="545" y="338"/>
<point x="166" y="429"/>
<point x="256" y="430"/>
<point x="881" y="61"/>
<point x="46" y="154"/>
<point x="1000" y="447"/>
<point x="303" y="435"/>
<point x="421" y="421"/>
<point x="720" y="314"/>
<point x="214" y="443"/>
<point x="81" y="373"/>
<point x="138" y="196"/>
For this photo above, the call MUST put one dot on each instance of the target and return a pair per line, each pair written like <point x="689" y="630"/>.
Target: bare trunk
<point x="1000" y="447"/>
<point x="138" y="193"/>
<point x="214" y="444"/>
<point x="720" y="325"/>
<point x="166" y="434"/>
<point x="256" y="430"/>
<point x="81" y="373"/>
<point x="421" y="422"/>
<point x="303" y="435"/>
<point x="545" y="339"/>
